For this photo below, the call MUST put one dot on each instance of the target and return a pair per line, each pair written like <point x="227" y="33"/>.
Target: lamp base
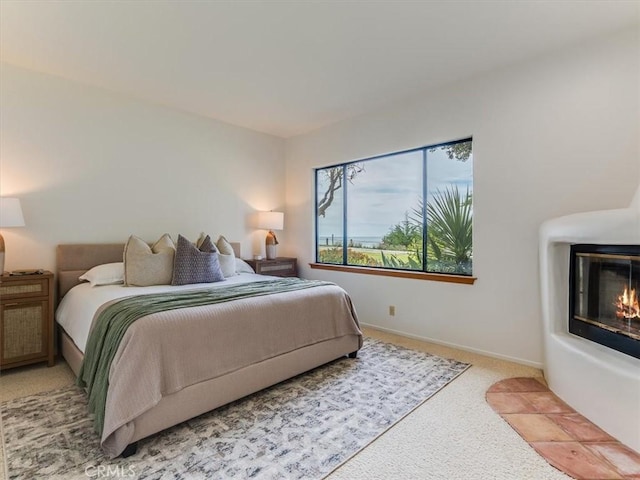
<point x="271" y="252"/>
<point x="1" y="255"/>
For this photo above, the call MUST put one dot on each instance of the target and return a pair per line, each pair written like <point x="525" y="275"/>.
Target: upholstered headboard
<point x="75" y="259"/>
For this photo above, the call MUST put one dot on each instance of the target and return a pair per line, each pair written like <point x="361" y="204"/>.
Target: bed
<point x="172" y="366"/>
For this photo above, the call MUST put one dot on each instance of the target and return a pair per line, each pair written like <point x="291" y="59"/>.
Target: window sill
<point x="437" y="277"/>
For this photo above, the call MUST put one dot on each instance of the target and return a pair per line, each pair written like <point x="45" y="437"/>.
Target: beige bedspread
<point x="163" y="353"/>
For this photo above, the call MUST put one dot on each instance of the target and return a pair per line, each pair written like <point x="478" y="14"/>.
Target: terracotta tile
<point x="529" y="384"/>
<point x="580" y="428"/>
<point x="542" y="381"/>
<point x="536" y="428"/>
<point x="555" y="430"/>
<point x="509" y="403"/>
<point x="547" y="402"/>
<point x="519" y="384"/>
<point x="576" y="460"/>
<point x="501" y="386"/>
<point x="625" y="460"/>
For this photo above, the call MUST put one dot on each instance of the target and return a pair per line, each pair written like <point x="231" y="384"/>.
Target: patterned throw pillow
<point x="144" y="265"/>
<point x="196" y="264"/>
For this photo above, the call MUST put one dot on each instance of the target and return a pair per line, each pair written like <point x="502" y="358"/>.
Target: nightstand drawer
<point x="279" y="267"/>
<point x="27" y="286"/>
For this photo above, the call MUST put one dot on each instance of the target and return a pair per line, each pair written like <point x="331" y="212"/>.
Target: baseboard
<point x="465" y="348"/>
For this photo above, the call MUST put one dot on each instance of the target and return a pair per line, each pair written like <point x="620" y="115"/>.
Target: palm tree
<point x="449" y="226"/>
<point x="449" y="234"/>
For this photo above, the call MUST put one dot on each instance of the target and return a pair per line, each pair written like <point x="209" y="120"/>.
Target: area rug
<point x="302" y="428"/>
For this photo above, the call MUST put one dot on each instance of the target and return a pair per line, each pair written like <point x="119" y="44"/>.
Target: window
<point x="387" y="211"/>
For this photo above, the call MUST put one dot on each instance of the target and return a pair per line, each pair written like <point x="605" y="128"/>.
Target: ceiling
<point x="285" y="67"/>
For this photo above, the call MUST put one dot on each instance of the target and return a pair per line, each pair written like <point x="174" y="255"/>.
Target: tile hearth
<point x="566" y="439"/>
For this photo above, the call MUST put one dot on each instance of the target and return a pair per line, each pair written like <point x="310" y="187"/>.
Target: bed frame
<point x="74" y="260"/>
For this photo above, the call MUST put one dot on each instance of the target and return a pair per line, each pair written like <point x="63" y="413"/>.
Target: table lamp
<point x="10" y="216"/>
<point x="271" y="221"/>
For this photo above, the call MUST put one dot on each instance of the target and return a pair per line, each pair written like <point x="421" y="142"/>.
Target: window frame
<point x="462" y="278"/>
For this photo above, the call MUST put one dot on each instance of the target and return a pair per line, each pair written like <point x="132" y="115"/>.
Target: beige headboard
<point x="75" y="259"/>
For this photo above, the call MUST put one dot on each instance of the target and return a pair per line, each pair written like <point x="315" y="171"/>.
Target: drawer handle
<point x="11" y="304"/>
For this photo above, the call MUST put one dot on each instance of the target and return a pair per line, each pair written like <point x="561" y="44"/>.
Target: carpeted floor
<point x="453" y="435"/>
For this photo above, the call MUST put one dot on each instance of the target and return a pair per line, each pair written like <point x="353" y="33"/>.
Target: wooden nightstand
<point x="26" y="320"/>
<point x="280" y="267"/>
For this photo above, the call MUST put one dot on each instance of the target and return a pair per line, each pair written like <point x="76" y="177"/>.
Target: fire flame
<point x="628" y="305"/>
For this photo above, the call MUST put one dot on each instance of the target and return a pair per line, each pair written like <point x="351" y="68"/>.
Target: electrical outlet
<point x="392" y="310"/>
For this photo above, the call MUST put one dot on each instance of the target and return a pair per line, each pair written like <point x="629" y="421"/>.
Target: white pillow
<point x="107" y="274"/>
<point x="243" y="267"/>
<point x="226" y="256"/>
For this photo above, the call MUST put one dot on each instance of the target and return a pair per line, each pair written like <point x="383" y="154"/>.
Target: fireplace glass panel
<point x="606" y="287"/>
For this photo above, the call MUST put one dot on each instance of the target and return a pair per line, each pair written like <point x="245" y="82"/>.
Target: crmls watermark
<point x="110" y="471"/>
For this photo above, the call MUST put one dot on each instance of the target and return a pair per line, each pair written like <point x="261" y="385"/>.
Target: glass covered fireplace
<point x="604" y="295"/>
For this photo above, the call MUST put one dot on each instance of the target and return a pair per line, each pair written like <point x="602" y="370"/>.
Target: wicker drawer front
<point x="24" y="289"/>
<point x="21" y="289"/>
<point x="280" y="267"/>
<point x="22" y="332"/>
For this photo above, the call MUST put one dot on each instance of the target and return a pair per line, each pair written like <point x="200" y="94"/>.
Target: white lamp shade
<point x="11" y="213"/>
<point x="271" y="220"/>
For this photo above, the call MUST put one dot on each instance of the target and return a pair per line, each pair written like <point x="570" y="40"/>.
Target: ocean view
<point x="365" y="242"/>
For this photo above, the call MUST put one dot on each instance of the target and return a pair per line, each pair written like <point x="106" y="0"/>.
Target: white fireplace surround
<point x="599" y="382"/>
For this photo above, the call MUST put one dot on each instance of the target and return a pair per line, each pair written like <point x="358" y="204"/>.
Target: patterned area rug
<point x="302" y="428"/>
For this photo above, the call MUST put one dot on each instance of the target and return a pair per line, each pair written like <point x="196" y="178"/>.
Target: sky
<point x="378" y="197"/>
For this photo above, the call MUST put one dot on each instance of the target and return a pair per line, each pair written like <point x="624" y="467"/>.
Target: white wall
<point x="90" y="165"/>
<point x="552" y="136"/>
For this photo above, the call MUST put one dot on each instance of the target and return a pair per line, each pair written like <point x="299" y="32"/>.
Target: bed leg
<point x="353" y="354"/>
<point x="131" y="449"/>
